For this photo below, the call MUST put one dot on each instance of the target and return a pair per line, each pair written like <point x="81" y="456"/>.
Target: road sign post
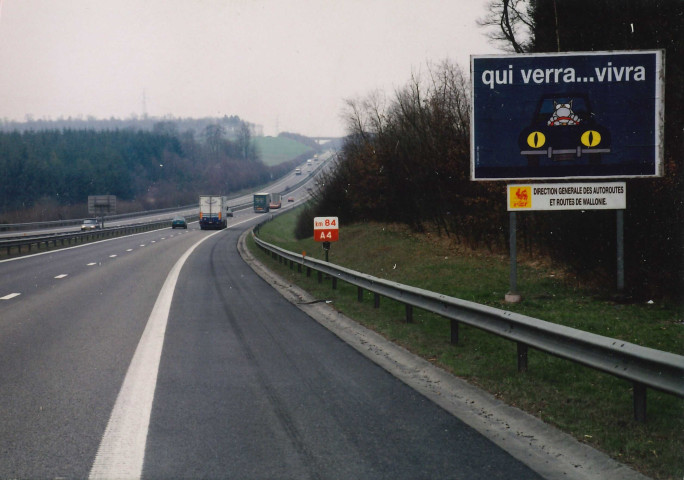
<point x="326" y="230"/>
<point x="101" y="205"/>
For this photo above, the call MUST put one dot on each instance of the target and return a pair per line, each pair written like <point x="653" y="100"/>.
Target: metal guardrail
<point x="26" y="244"/>
<point x="644" y="367"/>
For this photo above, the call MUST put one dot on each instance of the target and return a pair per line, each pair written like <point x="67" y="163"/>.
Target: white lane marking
<point x="10" y="296"/>
<point x="129" y="249"/>
<point x="122" y="449"/>
<point x="53" y="252"/>
<point x="153" y="241"/>
<point x="92" y="263"/>
<point x="142" y="245"/>
<point x="62" y="275"/>
<point x="112" y="256"/>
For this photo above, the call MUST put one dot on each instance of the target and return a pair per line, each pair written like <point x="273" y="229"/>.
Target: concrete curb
<point x="548" y="451"/>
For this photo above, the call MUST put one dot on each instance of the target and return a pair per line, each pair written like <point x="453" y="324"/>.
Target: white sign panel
<point x="567" y="196"/>
<point x="326" y="229"/>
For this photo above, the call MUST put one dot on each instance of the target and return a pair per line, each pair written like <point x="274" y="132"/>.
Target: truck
<point x="261" y="202"/>
<point x="212" y="212"/>
<point x="298" y="171"/>
<point x="276" y="201"/>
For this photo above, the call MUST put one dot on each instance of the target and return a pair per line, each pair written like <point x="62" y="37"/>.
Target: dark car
<point x="179" y="222"/>
<point x="563" y="128"/>
<point x="89" y="224"/>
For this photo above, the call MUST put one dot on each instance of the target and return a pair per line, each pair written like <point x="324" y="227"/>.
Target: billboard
<point x="567" y="115"/>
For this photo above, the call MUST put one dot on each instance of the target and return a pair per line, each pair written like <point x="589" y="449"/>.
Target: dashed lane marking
<point x="10" y="296"/>
<point x="61" y="275"/>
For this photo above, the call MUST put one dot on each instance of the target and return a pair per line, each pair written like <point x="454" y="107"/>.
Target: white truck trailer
<point x="212" y="212"/>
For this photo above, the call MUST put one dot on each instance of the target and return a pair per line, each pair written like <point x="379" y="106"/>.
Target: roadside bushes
<point x="407" y="159"/>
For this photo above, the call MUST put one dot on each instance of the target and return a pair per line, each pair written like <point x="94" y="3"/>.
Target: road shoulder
<point x="548" y="451"/>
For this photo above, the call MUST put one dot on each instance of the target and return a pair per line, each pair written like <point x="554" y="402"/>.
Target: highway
<point x="163" y="355"/>
<point x="282" y="184"/>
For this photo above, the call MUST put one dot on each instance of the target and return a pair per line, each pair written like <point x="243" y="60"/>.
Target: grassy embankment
<point x="593" y="407"/>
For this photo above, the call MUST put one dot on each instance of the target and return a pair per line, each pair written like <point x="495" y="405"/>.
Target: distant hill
<point x="277" y="150"/>
<point x="272" y="150"/>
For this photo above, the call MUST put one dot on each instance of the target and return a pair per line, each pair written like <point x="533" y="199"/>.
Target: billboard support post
<point x="513" y="296"/>
<point x="620" y="228"/>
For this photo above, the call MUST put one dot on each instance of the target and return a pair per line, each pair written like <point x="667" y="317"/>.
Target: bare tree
<point x="509" y="24"/>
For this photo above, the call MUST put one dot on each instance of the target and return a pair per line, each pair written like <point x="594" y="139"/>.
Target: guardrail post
<point x="308" y="271"/>
<point x="522" y="357"/>
<point x="454" y="332"/>
<point x="359" y="294"/>
<point x="299" y="268"/>
<point x="409" y="313"/>
<point x="376" y="300"/>
<point x="639" y="402"/>
<point x="320" y="276"/>
<point x="334" y="283"/>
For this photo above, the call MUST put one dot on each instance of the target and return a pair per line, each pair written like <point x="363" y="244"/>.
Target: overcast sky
<point x="285" y="64"/>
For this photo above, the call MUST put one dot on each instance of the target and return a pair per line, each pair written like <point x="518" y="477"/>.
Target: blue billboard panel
<point x="567" y="115"/>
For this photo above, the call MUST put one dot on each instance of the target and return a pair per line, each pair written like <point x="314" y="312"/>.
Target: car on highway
<point x="229" y="212"/>
<point x="179" y="222"/>
<point x="290" y="199"/>
<point x="90" y="224"/>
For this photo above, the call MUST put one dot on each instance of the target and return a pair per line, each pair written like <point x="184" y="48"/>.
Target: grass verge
<point x="276" y="150"/>
<point x="595" y="408"/>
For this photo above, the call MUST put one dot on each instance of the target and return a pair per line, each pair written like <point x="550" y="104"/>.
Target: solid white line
<point x="10" y="296"/>
<point x="122" y="448"/>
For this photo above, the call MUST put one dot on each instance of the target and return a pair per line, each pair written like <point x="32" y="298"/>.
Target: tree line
<point x="154" y="168"/>
<point x="406" y="157"/>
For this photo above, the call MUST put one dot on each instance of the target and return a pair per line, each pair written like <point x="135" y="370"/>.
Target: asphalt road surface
<point x="163" y="355"/>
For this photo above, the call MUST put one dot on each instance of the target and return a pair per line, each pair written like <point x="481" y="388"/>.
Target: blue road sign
<point x="567" y="115"/>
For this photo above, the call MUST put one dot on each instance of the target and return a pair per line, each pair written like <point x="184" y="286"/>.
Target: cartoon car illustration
<point x="563" y="129"/>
